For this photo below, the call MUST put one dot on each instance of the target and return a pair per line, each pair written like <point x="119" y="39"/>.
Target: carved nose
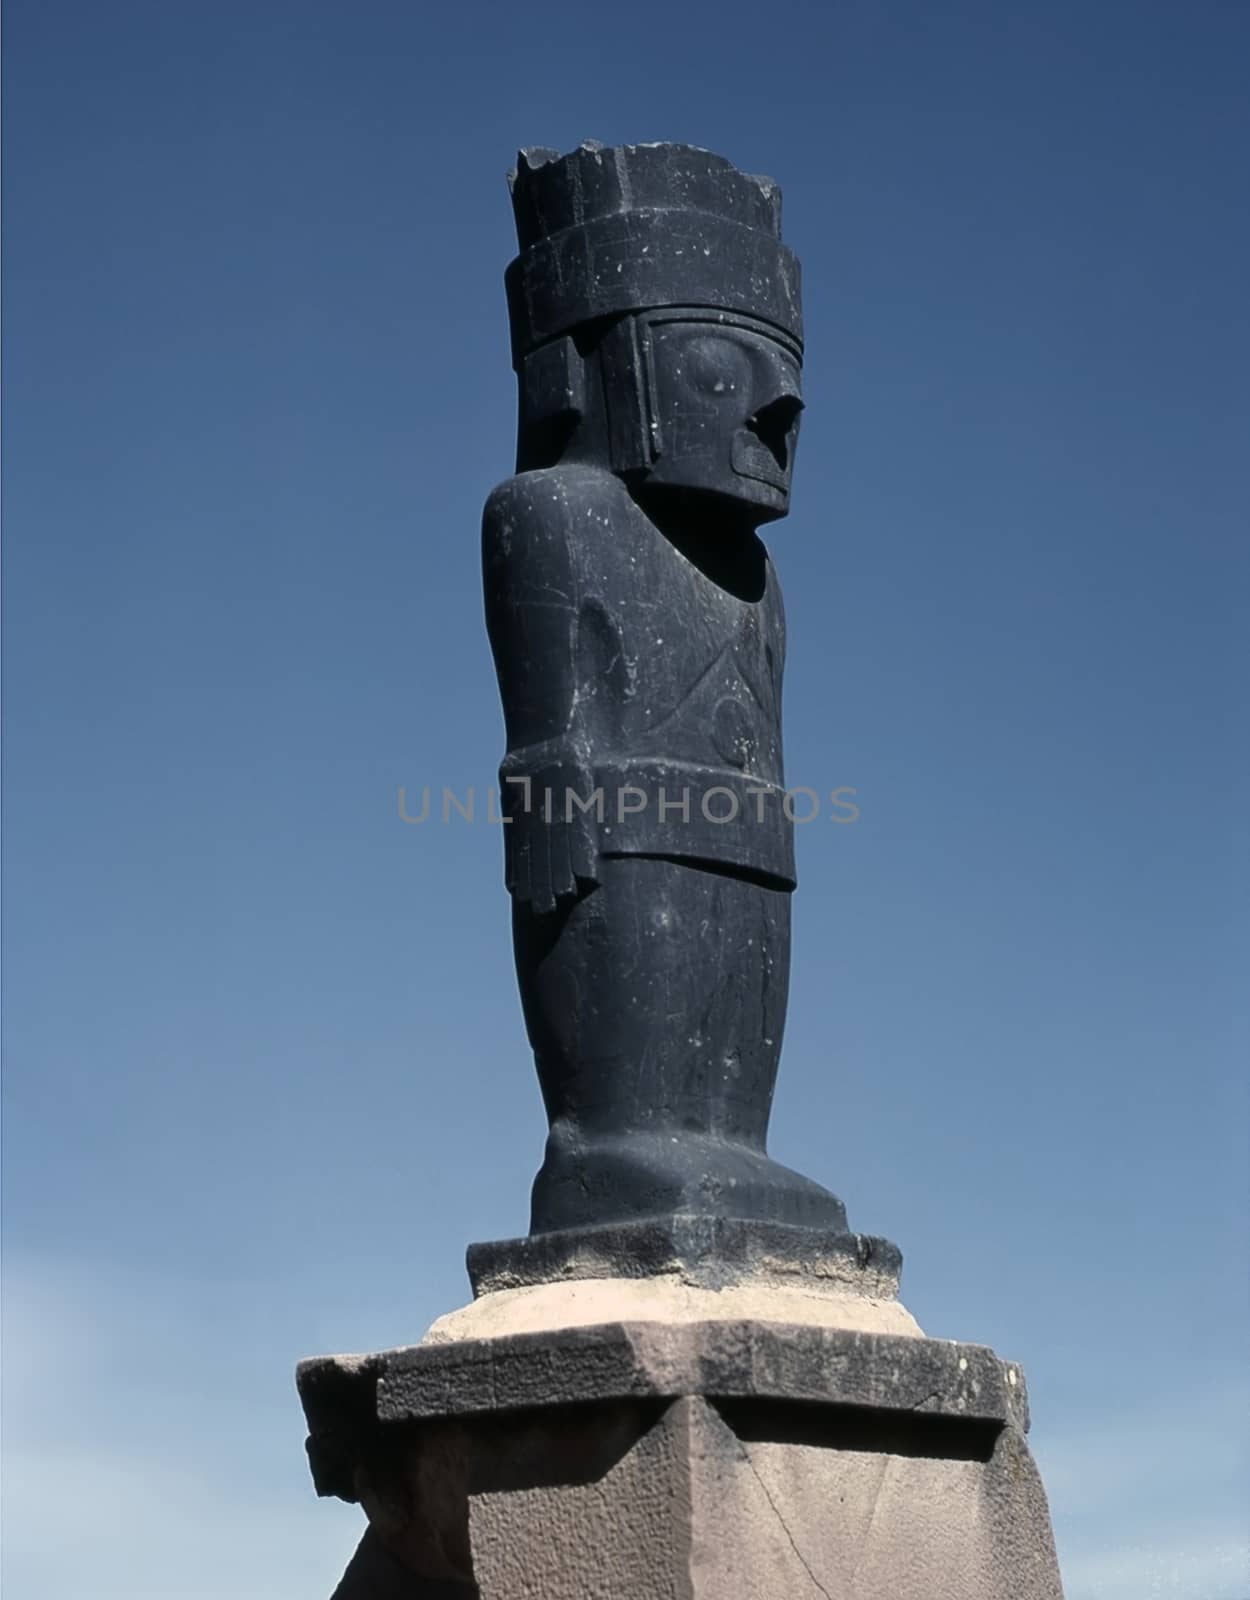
<point x="772" y="424"/>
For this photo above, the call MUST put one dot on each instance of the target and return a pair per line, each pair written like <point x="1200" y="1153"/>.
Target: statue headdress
<point x="605" y="231"/>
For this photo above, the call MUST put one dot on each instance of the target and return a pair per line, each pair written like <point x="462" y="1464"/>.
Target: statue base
<point x="709" y="1252"/>
<point x="643" y="1438"/>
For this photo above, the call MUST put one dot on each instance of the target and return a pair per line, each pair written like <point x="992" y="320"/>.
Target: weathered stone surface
<point x="376" y="1572"/>
<point x="668" y="1299"/>
<point x="694" y="1497"/>
<point x="822" y="1366"/>
<point x="709" y="1506"/>
<point x="348" y="1398"/>
<point x="637" y="628"/>
<point x="708" y="1251"/>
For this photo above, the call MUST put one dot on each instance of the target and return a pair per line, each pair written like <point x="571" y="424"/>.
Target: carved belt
<point x="562" y="819"/>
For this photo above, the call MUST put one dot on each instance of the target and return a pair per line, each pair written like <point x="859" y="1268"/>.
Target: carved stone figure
<point x="706" y="1386"/>
<point x="639" y="639"/>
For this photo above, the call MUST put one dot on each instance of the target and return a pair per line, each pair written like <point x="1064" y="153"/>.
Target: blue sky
<point x="265" y="1069"/>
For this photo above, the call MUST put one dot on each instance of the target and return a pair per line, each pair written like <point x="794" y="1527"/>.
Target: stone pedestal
<point x="691" y="1379"/>
<point x="785" y="1435"/>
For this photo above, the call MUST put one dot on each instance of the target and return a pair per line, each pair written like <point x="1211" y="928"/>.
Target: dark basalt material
<point x="707" y="1251"/>
<point x="638" y="634"/>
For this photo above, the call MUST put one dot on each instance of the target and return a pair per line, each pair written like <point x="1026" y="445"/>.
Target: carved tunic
<point x="630" y="671"/>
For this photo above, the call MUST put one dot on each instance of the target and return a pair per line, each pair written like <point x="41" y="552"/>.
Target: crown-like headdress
<point x="605" y="231"/>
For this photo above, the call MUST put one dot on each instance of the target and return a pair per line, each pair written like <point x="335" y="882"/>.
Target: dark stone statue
<point x="639" y="638"/>
<point x="794" y="1431"/>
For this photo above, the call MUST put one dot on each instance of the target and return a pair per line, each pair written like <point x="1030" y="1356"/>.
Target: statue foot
<point x="594" y="1181"/>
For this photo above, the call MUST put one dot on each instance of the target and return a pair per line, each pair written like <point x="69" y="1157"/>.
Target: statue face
<point x="724" y="401"/>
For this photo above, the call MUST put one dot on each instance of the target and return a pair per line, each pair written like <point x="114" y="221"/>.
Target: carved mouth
<point x="752" y="458"/>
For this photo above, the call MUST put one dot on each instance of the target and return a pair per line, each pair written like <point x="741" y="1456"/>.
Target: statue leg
<point x="655" y="1005"/>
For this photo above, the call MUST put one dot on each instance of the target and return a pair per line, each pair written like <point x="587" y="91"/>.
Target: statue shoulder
<point x="550" y="503"/>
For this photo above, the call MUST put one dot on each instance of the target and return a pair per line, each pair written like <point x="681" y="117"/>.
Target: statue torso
<point x="626" y="659"/>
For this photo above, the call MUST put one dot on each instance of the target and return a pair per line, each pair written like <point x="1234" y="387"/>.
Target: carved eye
<point x="714" y="365"/>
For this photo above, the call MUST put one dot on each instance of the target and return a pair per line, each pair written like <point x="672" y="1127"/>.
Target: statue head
<point x="656" y="325"/>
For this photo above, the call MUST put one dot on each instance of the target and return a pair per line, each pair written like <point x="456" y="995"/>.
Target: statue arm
<point x="532" y="597"/>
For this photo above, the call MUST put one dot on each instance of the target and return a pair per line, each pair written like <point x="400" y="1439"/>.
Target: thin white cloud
<point x="1155" y="1506"/>
<point x="1203" y="1563"/>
